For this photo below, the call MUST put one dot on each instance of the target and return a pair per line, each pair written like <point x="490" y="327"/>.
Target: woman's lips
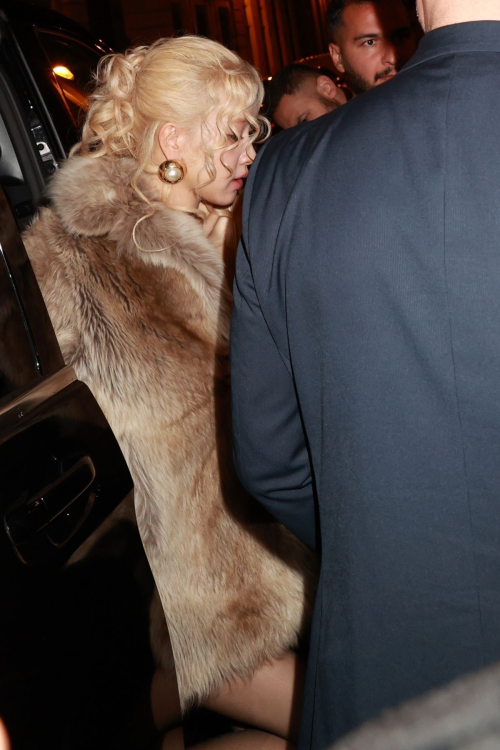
<point x="237" y="184"/>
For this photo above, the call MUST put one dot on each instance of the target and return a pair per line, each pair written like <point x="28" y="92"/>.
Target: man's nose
<point x="390" y="55"/>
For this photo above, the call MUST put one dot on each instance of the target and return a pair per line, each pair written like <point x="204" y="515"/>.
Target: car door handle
<point x="31" y="516"/>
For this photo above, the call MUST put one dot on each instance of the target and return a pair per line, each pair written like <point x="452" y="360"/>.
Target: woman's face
<point x="231" y="167"/>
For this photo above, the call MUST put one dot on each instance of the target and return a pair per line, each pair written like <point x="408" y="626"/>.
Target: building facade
<point x="268" y="33"/>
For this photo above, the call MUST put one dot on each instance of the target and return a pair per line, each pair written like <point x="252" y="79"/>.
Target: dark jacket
<point x="366" y="373"/>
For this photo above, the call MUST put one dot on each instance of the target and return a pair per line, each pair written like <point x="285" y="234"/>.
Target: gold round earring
<point x="171" y="171"/>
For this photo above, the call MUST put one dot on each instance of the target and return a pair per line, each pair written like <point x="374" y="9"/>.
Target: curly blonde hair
<point x="180" y="80"/>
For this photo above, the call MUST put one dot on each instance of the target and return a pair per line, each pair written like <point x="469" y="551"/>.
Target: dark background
<point x="267" y="33"/>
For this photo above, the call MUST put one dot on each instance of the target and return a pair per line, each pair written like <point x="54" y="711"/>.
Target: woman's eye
<point x="232" y="137"/>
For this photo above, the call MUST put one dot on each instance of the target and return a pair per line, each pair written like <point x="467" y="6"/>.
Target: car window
<point x="27" y="151"/>
<point x="18" y="366"/>
<point x="72" y="64"/>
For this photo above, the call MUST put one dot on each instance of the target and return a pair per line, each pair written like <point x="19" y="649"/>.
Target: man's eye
<point x="369" y="43"/>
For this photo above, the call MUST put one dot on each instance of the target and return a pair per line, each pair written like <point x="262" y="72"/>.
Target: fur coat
<point x="147" y="330"/>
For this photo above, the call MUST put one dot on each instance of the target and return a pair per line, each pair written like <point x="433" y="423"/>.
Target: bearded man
<point x="371" y="40"/>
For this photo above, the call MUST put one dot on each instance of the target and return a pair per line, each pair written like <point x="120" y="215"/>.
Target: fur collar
<point x="93" y="198"/>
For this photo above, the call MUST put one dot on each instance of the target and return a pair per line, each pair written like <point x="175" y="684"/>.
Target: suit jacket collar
<point x="475" y="36"/>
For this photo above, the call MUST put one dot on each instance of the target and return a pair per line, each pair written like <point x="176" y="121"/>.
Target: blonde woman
<point x="129" y="262"/>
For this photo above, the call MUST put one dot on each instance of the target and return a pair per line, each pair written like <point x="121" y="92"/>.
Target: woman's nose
<point x="248" y="155"/>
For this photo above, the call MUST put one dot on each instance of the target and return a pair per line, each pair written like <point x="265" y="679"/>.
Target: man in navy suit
<point x="366" y="369"/>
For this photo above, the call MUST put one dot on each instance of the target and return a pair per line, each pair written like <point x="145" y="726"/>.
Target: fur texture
<point x="148" y="332"/>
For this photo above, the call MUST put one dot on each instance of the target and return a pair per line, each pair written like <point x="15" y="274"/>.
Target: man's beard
<point x="357" y="83"/>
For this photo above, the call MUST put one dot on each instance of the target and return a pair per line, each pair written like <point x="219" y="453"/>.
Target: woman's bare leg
<point x="271" y="699"/>
<point x="247" y="740"/>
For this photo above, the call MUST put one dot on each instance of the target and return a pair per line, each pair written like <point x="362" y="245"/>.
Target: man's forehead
<point x="373" y="18"/>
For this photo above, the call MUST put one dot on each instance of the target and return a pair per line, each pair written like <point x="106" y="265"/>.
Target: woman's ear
<point x="168" y="141"/>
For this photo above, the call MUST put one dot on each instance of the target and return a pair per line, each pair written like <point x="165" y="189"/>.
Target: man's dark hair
<point x="335" y="10"/>
<point x="288" y="81"/>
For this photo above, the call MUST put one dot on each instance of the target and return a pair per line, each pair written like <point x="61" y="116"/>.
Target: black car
<point x="75" y="661"/>
<point x="46" y="64"/>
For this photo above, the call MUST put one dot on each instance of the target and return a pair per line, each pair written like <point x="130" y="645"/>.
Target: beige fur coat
<point x="147" y="331"/>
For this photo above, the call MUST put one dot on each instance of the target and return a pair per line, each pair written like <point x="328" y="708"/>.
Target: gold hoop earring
<point x="171" y="171"/>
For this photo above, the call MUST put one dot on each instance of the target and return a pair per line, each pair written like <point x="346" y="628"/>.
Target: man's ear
<point x="334" y="50"/>
<point x="169" y="141"/>
<point x="326" y="87"/>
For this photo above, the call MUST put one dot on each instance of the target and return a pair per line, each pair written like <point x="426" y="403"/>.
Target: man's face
<point x="312" y="100"/>
<point x="373" y="43"/>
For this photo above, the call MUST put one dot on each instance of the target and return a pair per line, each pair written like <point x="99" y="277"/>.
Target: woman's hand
<point x="216" y="228"/>
<point x="224" y="233"/>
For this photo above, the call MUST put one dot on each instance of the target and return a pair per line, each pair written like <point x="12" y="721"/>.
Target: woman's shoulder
<point x="95" y="197"/>
<point x="93" y="205"/>
<point x="89" y="194"/>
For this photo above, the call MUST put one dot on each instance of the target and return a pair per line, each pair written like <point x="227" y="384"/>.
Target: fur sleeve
<point x="42" y="241"/>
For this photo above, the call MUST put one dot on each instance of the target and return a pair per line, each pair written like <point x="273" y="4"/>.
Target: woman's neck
<point x="179" y="195"/>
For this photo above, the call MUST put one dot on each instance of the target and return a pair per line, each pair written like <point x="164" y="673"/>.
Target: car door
<point x="75" y="586"/>
<point x="72" y="638"/>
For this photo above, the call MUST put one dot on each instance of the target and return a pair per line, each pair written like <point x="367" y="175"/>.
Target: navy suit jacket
<point x="366" y="373"/>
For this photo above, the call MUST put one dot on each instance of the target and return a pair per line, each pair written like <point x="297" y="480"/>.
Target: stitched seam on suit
<point x="471" y="525"/>
<point x="291" y="195"/>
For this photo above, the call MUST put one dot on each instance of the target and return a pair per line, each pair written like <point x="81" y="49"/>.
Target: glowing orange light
<point x="63" y="72"/>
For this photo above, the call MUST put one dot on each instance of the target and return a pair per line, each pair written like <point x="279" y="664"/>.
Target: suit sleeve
<point x="270" y="449"/>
